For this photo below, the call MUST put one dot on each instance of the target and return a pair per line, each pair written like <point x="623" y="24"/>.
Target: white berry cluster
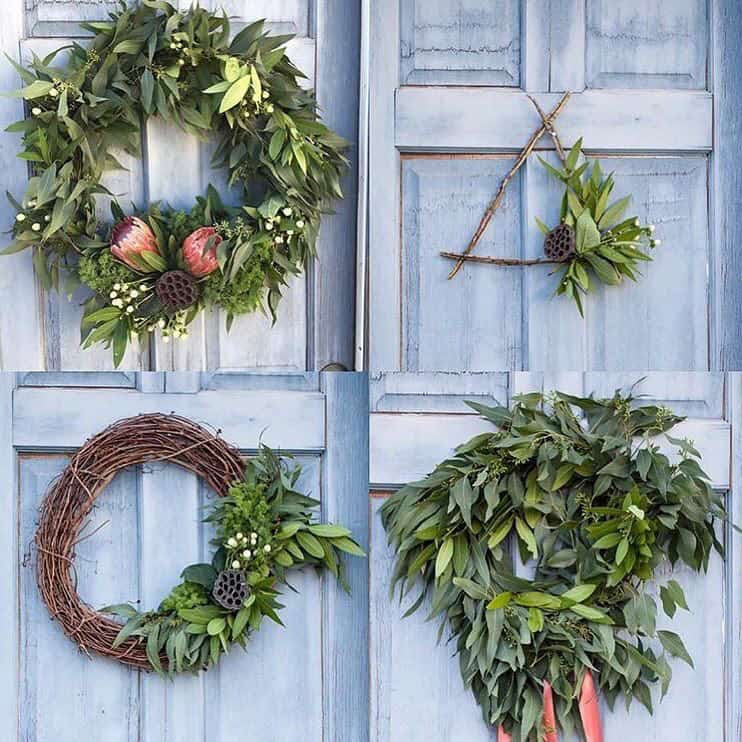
<point x="242" y="549"/>
<point x="173" y="327"/>
<point x="36" y="225"/>
<point x="124" y="296"/>
<point x="284" y="225"/>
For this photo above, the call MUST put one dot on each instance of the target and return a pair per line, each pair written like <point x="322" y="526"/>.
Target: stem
<point x="462" y="257"/>
<point x="497" y="200"/>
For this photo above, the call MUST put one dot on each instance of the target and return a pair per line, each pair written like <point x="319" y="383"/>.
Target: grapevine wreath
<point x="594" y="241"/>
<point x="599" y="509"/>
<point x="263" y="528"/>
<point x="160" y="266"/>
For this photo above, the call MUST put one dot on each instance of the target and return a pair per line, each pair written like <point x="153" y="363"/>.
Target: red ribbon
<point x="589" y="713"/>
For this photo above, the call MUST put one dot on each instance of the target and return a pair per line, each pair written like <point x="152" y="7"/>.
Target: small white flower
<point x="130" y="310"/>
<point x="173" y="46"/>
<point x="117" y="287"/>
<point x="231" y="543"/>
<point x="117" y="303"/>
<point x="277" y="219"/>
<point x="161" y="323"/>
<point x="651" y="228"/>
<point x="269" y="108"/>
<point x="235" y="564"/>
<point x="36" y="111"/>
<point x="20" y="218"/>
<point x="254" y="536"/>
<point x="142" y="286"/>
<point x="247" y="553"/>
<point x="133" y="293"/>
<point x="125" y="286"/>
<point x="266" y="95"/>
<point x="151" y="328"/>
<point x="181" y="62"/>
<point x="239" y="536"/>
<point x="47" y="218"/>
<point x="113" y="295"/>
<point x="269" y="226"/>
<point x="32" y="204"/>
<point x="300" y="224"/>
<point x="54" y="92"/>
<point x="290" y="232"/>
<point x="278" y="240"/>
<point x="36" y="226"/>
<point x="177" y="333"/>
<point x="287" y="211"/>
<point x="267" y="548"/>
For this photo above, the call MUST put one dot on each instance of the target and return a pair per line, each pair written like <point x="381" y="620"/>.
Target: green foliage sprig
<point x="594" y="506"/>
<point x="263" y="528"/>
<point x="151" y="59"/>
<point x="608" y="246"/>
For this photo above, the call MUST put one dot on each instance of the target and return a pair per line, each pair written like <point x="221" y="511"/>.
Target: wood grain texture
<point x="726" y="229"/>
<point x="470" y="323"/>
<point x="345" y="470"/>
<point x="63" y="694"/>
<point x="20" y="342"/>
<point x="733" y="581"/>
<point x="460" y="42"/>
<point x="647" y="44"/>
<point x="9" y="638"/>
<point x="492" y="119"/>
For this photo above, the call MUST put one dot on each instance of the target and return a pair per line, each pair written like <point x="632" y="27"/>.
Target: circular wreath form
<point x="596" y="508"/>
<point x="160" y="266"/>
<point x="216" y="604"/>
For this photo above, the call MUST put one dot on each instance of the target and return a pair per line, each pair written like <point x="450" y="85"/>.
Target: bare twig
<point x="497" y="200"/>
<point x="549" y="124"/>
<point x="499" y="261"/>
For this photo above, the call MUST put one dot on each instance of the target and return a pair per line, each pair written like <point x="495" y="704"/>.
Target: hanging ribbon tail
<point x="590" y="710"/>
<point x="550" y="726"/>
<point x="503" y="736"/>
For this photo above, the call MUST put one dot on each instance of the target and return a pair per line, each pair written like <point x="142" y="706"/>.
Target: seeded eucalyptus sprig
<point x="607" y="246"/>
<point x="264" y="527"/>
<point x="150" y="59"/>
<point x="580" y="485"/>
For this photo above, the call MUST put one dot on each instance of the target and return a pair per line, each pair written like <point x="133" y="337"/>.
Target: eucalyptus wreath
<point x="160" y="266"/>
<point x="595" y="508"/>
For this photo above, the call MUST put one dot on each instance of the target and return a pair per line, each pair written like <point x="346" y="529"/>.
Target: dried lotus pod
<point x="177" y="290"/>
<point x="560" y="243"/>
<point x="230" y="589"/>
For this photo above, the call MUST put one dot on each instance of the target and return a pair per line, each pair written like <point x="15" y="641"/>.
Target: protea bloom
<point x="132" y="237"/>
<point x="199" y="260"/>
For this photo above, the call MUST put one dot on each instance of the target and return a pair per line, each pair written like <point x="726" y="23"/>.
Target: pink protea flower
<point x="198" y="260"/>
<point x="132" y="236"/>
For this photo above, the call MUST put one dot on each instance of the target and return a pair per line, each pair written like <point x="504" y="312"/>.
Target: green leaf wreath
<point x="264" y="528"/>
<point x="582" y="487"/>
<point x="594" y="239"/>
<point x="159" y="267"/>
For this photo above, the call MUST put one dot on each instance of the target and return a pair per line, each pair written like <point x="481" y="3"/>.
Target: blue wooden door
<point x="305" y="681"/>
<point x="315" y="326"/>
<point x="448" y="111"/>
<point x="416" y="688"/>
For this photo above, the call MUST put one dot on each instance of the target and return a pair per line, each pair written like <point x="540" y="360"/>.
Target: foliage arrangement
<point x="264" y="527"/>
<point x="594" y="239"/>
<point x="159" y="267"/>
<point x="596" y="509"/>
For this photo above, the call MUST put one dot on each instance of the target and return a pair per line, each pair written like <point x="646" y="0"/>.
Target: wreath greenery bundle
<point x="599" y="509"/>
<point x="159" y="267"/>
<point x="263" y="528"/>
<point x="594" y="239"/>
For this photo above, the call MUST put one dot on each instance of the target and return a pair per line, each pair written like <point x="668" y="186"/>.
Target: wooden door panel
<point x="460" y="42"/>
<point x="642" y="98"/>
<point x="647" y="44"/>
<point x="150" y="526"/>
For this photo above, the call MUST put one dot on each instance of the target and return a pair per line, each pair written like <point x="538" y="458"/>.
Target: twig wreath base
<point x="216" y="604"/>
<point x="593" y="241"/>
